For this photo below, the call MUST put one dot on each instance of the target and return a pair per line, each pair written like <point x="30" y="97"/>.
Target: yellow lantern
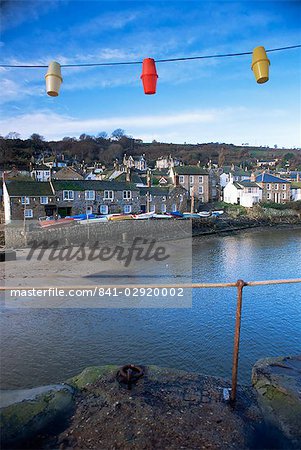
<point x="53" y="79"/>
<point x="260" y="65"/>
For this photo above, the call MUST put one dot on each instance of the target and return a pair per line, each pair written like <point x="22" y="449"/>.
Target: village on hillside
<point x="58" y="186"/>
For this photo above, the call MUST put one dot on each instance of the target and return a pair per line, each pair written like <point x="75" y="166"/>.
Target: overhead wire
<point x="124" y="63"/>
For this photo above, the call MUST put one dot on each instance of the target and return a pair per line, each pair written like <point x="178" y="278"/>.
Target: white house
<point x="232" y="173"/>
<point x="41" y="173"/>
<point x="244" y="193"/>
<point x="296" y="190"/>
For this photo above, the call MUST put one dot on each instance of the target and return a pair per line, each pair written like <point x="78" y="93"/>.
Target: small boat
<point x="143" y="216"/>
<point x="188" y="215"/>
<point x="115" y="217"/>
<point x="81" y="216"/>
<point x="176" y="214"/>
<point x="49" y="222"/>
<point x="217" y="213"/>
<point x="204" y="214"/>
<point x="162" y="216"/>
<point x="93" y="220"/>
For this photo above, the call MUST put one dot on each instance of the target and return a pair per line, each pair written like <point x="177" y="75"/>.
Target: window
<point x="191" y="179"/>
<point x="181" y="198"/>
<point x="249" y="190"/>
<point x="200" y="189"/>
<point x="181" y="179"/>
<point x="268" y="186"/>
<point x="283" y="195"/>
<point x="268" y="196"/>
<point x="164" y="198"/>
<point x="108" y="195"/>
<point x="28" y="214"/>
<point x="25" y="200"/>
<point x="201" y="199"/>
<point x="127" y="209"/>
<point x="127" y="195"/>
<point x="47" y="173"/>
<point x="200" y="179"/>
<point x="89" y="195"/>
<point x="44" y="200"/>
<point x="283" y="187"/>
<point x="174" y="207"/>
<point x="163" y="208"/>
<point x="153" y="208"/>
<point x="68" y="195"/>
<point x="103" y="209"/>
<point x="276" y="186"/>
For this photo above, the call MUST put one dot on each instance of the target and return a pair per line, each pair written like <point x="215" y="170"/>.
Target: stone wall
<point x="119" y="231"/>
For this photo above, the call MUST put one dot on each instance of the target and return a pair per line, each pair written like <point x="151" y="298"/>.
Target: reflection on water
<point x="46" y="346"/>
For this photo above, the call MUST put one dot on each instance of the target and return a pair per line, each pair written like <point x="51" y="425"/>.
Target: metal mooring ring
<point x="129" y="373"/>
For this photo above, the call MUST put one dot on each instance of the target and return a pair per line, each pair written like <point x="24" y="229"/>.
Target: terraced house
<point x="194" y="179"/>
<point x="28" y="199"/>
<point x="274" y="189"/>
<point x="95" y="197"/>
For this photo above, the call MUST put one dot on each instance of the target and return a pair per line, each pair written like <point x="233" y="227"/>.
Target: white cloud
<point x="231" y="125"/>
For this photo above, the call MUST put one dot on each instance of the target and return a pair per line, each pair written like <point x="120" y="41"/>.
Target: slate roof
<point x="28" y="188"/>
<point x="235" y="170"/>
<point x="92" y="185"/>
<point x="190" y="170"/>
<point x="134" y="178"/>
<point x="268" y="178"/>
<point x="41" y="167"/>
<point x="243" y="184"/>
<point x="154" y="190"/>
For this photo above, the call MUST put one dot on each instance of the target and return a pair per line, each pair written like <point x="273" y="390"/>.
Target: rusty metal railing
<point x="239" y="284"/>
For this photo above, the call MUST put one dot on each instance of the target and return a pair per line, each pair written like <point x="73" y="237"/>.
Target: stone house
<point x="28" y="200"/>
<point x="137" y="162"/>
<point x="67" y="173"/>
<point x="194" y="179"/>
<point x="95" y="197"/>
<point x="163" y="199"/>
<point x="166" y="162"/>
<point x="274" y="189"/>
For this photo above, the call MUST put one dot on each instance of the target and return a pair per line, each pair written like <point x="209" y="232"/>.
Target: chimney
<point x="148" y="179"/>
<point x="252" y="177"/>
<point x="128" y="175"/>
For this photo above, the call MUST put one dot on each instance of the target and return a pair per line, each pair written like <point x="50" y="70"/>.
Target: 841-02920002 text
<point x="142" y="292"/>
<point x="98" y="291"/>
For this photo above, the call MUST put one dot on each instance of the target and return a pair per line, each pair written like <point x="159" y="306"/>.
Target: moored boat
<point x="48" y="222"/>
<point x="143" y="216"/>
<point x="115" y="217"/>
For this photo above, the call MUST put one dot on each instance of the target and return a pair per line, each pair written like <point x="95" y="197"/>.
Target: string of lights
<point x="260" y="66"/>
<point x="124" y="63"/>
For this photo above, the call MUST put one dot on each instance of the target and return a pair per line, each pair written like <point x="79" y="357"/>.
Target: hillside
<point x="89" y="149"/>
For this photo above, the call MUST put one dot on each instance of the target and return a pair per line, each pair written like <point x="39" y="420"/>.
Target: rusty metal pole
<point x="240" y="285"/>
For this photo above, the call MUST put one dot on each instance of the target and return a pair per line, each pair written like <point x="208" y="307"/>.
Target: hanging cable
<point x="189" y="58"/>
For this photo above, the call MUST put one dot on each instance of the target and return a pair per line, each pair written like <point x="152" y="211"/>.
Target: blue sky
<point x="214" y="100"/>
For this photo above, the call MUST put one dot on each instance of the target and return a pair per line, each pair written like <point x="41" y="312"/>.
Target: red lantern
<point x="149" y="76"/>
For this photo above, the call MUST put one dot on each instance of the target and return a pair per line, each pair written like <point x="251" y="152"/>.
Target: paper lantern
<point x="260" y="65"/>
<point x="149" y="76"/>
<point x="53" y="79"/>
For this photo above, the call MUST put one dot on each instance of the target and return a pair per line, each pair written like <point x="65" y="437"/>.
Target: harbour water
<point x="46" y="346"/>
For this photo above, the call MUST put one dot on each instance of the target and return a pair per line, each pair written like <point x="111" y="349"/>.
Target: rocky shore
<point x="165" y="408"/>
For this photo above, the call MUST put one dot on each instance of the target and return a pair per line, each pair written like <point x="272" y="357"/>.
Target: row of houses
<point x="175" y="188"/>
<point x="33" y="200"/>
